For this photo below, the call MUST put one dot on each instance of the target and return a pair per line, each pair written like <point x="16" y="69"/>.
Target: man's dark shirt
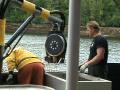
<point x="98" y="69"/>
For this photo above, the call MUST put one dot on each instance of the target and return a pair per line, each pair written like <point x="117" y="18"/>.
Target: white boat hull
<point x="57" y="81"/>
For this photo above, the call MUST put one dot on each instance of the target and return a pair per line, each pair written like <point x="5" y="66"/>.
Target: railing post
<point x="73" y="45"/>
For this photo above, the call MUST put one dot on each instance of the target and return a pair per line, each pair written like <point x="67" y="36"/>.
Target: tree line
<point x="106" y="12"/>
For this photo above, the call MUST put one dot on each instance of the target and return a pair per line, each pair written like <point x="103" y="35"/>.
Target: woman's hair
<point x="94" y="25"/>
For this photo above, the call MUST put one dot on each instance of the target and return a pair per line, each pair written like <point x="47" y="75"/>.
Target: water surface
<point x="35" y="43"/>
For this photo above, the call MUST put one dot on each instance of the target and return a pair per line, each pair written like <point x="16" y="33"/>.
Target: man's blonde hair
<point x="94" y="25"/>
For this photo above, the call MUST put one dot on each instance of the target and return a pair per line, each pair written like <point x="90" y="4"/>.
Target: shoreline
<point x="43" y="29"/>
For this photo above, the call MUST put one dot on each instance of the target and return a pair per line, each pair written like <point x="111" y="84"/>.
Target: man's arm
<point x="98" y="58"/>
<point x="10" y="60"/>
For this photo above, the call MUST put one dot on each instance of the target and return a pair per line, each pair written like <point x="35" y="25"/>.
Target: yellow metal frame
<point x="2" y="31"/>
<point x="30" y="7"/>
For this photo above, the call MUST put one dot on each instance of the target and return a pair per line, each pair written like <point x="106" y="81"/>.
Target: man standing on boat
<point x="30" y="67"/>
<point x="98" y="56"/>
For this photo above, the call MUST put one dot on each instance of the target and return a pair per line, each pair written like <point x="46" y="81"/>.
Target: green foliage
<point x="106" y="12"/>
